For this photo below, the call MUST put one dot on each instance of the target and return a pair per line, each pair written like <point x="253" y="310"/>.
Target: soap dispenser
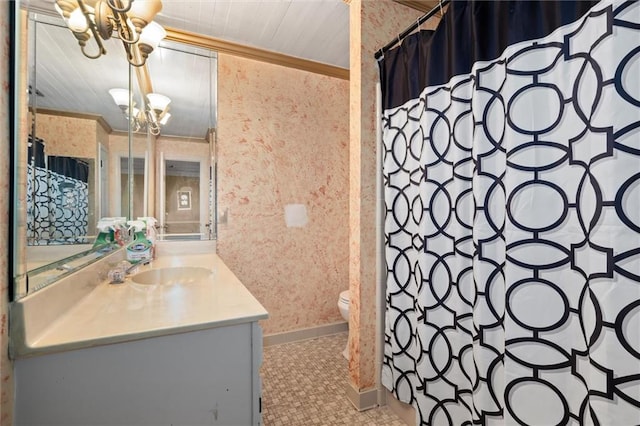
<point x="140" y="249"/>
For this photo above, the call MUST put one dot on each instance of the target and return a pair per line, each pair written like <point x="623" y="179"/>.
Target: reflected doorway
<point x="138" y="190"/>
<point x="184" y="204"/>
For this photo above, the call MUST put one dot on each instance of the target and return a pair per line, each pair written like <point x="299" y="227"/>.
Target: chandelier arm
<point x="149" y="114"/>
<point x="125" y="32"/>
<point x="94" y="31"/>
<point x="96" y="56"/>
<point x="115" y="6"/>
<point x="152" y="120"/>
<point x="137" y="60"/>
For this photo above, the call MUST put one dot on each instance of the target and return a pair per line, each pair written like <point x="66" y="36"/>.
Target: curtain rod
<point x="380" y="53"/>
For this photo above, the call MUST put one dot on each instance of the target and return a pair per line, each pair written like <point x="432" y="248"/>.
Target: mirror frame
<point x="19" y="80"/>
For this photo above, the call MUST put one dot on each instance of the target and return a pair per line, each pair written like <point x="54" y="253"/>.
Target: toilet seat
<point x="344" y="296"/>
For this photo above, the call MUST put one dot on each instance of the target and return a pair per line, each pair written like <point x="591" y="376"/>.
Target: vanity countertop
<point x="112" y="313"/>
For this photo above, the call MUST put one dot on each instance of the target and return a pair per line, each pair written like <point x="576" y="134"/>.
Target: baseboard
<point x="364" y="400"/>
<point x="405" y="411"/>
<point x="304" y="333"/>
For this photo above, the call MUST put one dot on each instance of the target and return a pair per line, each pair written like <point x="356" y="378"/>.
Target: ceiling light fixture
<point x="130" y="20"/>
<point x="155" y="114"/>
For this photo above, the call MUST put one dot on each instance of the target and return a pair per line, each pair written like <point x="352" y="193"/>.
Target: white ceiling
<point x="316" y="30"/>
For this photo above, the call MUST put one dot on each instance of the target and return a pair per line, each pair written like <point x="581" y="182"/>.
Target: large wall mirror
<point x="80" y="156"/>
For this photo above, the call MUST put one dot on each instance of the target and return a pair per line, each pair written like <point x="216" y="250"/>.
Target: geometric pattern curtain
<point x="57" y="208"/>
<point x="512" y="226"/>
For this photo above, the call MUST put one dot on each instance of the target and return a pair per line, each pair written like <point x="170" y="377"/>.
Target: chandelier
<point x="130" y="20"/>
<point x="154" y="114"/>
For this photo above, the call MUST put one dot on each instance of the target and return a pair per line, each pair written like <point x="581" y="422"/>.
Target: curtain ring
<point x="440" y="3"/>
<point x="418" y="24"/>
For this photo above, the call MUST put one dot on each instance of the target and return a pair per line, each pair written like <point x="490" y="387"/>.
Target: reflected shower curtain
<point x="57" y="197"/>
<point x="511" y="179"/>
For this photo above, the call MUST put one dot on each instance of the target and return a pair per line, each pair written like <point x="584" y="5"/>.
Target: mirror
<point x="79" y="158"/>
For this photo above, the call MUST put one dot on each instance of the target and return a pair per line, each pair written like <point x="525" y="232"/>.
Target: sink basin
<point x="169" y="276"/>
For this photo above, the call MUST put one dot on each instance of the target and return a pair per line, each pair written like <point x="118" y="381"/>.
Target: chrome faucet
<point x="125" y="268"/>
<point x="132" y="267"/>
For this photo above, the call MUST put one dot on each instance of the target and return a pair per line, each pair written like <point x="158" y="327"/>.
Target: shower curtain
<point x="511" y="173"/>
<point x="57" y="197"/>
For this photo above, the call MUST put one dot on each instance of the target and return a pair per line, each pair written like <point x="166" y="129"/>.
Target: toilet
<point x="343" y="306"/>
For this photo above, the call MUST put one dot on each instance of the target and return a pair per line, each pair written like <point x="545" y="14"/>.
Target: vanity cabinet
<point x="203" y="377"/>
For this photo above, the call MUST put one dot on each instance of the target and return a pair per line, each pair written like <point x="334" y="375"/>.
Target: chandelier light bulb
<point x="100" y="19"/>
<point x="120" y="97"/>
<point x="165" y="119"/>
<point x="77" y="21"/>
<point x="157" y="101"/>
<point x="152" y="35"/>
<point x="142" y="12"/>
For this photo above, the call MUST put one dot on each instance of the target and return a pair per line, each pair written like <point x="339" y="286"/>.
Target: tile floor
<point x="303" y="383"/>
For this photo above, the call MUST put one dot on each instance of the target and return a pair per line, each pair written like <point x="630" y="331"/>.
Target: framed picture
<point x="184" y="200"/>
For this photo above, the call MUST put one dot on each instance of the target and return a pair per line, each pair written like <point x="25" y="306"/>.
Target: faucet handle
<point x="116" y="275"/>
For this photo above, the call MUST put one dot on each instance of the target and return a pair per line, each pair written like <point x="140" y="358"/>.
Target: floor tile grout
<point x="304" y="383"/>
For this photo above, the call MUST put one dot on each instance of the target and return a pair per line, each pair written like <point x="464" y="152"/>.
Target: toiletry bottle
<point x="139" y="250"/>
<point x="120" y="230"/>
<point x="105" y="234"/>
<point x="152" y="234"/>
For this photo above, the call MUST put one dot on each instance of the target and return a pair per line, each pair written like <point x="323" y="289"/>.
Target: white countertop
<point x="112" y="313"/>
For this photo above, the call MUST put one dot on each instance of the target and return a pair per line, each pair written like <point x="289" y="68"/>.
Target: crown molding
<point x="207" y="42"/>
<point x="254" y="53"/>
<point x="80" y="115"/>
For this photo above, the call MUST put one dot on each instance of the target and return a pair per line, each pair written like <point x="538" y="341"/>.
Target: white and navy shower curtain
<point x="511" y="180"/>
<point x="57" y="197"/>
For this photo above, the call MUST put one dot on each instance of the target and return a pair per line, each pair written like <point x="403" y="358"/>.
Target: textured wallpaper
<point x="68" y="136"/>
<point x="283" y="141"/>
<point x="372" y="24"/>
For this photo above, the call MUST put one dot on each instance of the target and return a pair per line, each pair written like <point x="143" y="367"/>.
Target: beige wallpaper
<point x="283" y="140"/>
<point x="68" y="136"/>
<point x="372" y="25"/>
<point x="6" y="367"/>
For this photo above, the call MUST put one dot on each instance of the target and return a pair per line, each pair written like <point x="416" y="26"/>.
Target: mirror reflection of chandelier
<point x="155" y="112"/>
<point x="130" y="20"/>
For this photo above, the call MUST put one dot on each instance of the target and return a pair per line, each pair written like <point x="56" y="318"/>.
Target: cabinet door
<point x="200" y="377"/>
<point x="256" y="346"/>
